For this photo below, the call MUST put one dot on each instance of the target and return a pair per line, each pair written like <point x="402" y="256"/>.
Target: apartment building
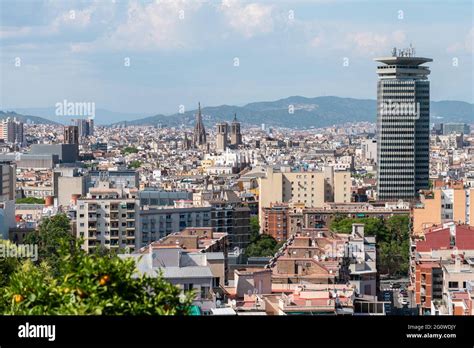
<point x="156" y="223"/>
<point x="8" y="180"/>
<point x="204" y="240"/>
<point x="184" y="269"/>
<point x="318" y="256"/>
<point x="228" y="214"/>
<point x="441" y="263"/>
<point x="109" y="217"/>
<point x="276" y="221"/>
<point x="12" y="131"/>
<point x="445" y="202"/>
<point x="312" y="189"/>
<point x="121" y="178"/>
<point x="282" y="220"/>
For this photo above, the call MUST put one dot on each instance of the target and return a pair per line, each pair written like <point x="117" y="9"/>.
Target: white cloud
<point x="80" y="18"/>
<point x="250" y="19"/>
<point x="72" y="19"/>
<point x="466" y="45"/>
<point x="370" y="43"/>
<point x="157" y="25"/>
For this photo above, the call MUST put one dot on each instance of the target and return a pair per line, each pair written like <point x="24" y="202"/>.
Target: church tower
<point x="199" y="137"/>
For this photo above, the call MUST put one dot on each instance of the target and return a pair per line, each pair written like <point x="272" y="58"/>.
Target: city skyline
<point x="161" y="57"/>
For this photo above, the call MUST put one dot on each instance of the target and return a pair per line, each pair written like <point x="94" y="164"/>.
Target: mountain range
<point x="291" y="112"/>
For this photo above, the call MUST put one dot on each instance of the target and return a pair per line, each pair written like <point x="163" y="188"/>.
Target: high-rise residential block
<point x="11" y="131"/>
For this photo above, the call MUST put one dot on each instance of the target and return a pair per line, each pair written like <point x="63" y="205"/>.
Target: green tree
<point x="263" y="246"/>
<point x="134" y="164"/>
<point x="90" y="285"/>
<point x="254" y="228"/>
<point x="53" y="234"/>
<point x="8" y="265"/>
<point x="30" y="200"/>
<point x="76" y="283"/>
<point x="129" y="150"/>
<point x="392" y="237"/>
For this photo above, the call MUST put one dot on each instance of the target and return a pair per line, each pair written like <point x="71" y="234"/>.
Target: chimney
<point x="457" y="263"/>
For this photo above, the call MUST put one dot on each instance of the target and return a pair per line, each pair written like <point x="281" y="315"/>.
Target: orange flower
<point x="104" y="280"/>
<point x="18" y="298"/>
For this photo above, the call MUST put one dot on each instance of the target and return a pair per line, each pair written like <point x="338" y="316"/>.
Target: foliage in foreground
<point x="84" y="284"/>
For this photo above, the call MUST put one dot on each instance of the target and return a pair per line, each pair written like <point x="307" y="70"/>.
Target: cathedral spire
<point x="199" y="137"/>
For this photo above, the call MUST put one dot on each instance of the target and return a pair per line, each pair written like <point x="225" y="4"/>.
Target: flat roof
<point x="403" y="60"/>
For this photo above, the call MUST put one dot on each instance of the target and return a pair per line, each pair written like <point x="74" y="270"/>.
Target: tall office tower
<point x="403" y="117"/>
<point x="235" y="136"/>
<point x="71" y="135"/>
<point x="90" y="126"/>
<point x="11" y="131"/>
<point x="85" y="127"/>
<point x="221" y="137"/>
<point x="199" y="137"/>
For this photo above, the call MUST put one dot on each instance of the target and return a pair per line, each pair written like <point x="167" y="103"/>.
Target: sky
<point x="153" y="56"/>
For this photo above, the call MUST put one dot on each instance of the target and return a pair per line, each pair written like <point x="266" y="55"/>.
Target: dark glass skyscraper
<point x="403" y="117"/>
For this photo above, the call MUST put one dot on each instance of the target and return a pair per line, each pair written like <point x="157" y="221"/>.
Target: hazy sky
<point x="221" y="52"/>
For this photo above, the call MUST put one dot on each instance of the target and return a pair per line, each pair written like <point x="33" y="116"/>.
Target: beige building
<point x="312" y="189"/>
<point x="109" y="218"/>
<point x="444" y="203"/>
<point x="68" y="188"/>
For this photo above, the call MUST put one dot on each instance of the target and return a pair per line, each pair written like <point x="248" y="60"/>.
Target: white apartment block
<point x="109" y="218"/>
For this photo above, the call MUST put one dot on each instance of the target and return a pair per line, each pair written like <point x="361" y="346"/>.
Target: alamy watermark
<point x="29" y="251"/>
<point x="339" y="250"/>
<point x="389" y="108"/>
<point x="66" y="108"/>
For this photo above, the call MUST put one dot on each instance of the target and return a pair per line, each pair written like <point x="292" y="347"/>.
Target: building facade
<point x="403" y="116"/>
<point x="311" y="189"/>
<point x="446" y="202"/>
<point x="108" y="218"/>
<point x="12" y="131"/>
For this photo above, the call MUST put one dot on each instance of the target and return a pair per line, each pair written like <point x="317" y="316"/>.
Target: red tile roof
<point x="464" y="238"/>
<point x="436" y="239"/>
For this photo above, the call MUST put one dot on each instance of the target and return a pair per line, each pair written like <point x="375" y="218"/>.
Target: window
<point x="453" y="285"/>
<point x="204" y="291"/>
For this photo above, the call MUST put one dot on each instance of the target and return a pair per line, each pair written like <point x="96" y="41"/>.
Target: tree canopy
<point x="68" y="281"/>
<point x="261" y="245"/>
<point x="393" y="240"/>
